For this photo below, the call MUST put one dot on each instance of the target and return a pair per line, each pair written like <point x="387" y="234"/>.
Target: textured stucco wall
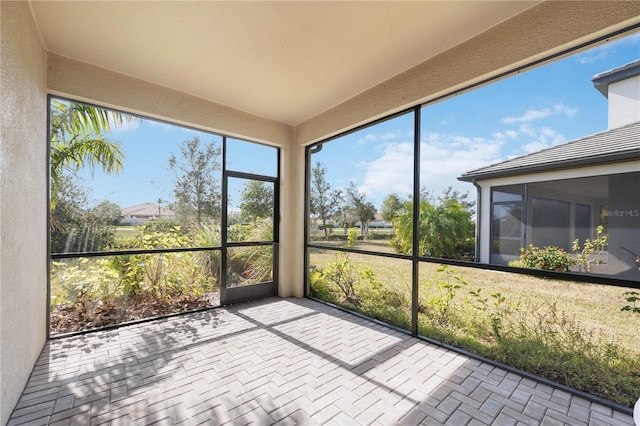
<point x="292" y="224"/>
<point x="82" y="81"/>
<point x="624" y="102"/>
<point x="23" y="201"/>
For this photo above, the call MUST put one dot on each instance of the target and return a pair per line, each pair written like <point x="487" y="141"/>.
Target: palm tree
<point x="77" y="141"/>
<point x="443" y="225"/>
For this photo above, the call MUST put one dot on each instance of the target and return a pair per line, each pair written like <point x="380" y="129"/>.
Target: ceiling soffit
<point x="286" y="61"/>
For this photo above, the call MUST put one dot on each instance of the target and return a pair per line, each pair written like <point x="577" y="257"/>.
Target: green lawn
<point x="595" y="306"/>
<point x="127" y="231"/>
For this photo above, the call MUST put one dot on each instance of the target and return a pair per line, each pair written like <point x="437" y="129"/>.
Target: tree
<point x="445" y="225"/>
<point x="362" y="209"/>
<point x="79" y="228"/>
<point x="256" y="201"/>
<point x="160" y="201"/>
<point x="66" y="214"/>
<point x="345" y="217"/>
<point x="453" y="194"/>
<point x="197" y="186"/>
<point x="107" y="213"/>
<point x="77" y="135"/>
<point x="324" y="200"/>
<point x="78" y="141"/>
<point x="391" y="207"/>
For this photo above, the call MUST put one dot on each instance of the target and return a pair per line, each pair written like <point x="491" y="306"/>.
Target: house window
<point x="582" y="205"/>
<point x="582" y="221"/>
<point x="550" y="223"/>
<point x="507" y="229"/>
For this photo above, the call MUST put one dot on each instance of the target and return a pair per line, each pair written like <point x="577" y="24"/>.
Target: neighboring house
<point x="557" y="195"/>
<point x="141" y="213"/>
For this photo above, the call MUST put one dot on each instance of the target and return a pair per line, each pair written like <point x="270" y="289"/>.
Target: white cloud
<point x="528" y="130"/>
<point x="392" y="172"/>
<point x="390" y="136"/>
<point x="125" y="125"/>
<point x="606" y="51"/>
<point x="443" y="159"/>
<point x="535" y="146"/>
<point x="511" y="134"/>
<point x="555" y="137"/>
<point x="527" y="117"/>
<point x="531" y="137"/>
<point x="545" y="138"/>
<point x="371" y="137"/>
<point x="594" y="56"/>
<point x="360" y="164"/>
<point x="538" y="114"/>
<point x="384" y="137"/>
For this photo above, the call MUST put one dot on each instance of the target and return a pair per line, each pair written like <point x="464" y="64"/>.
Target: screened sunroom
<point x="235" y="212"/>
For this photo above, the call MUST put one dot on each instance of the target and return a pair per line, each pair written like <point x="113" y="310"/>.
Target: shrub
<point x="437" y="298"/>
<point x="589" y="254"/>
<point x="172" y="226"/>
<point x="389" y="302"/>
<point x="549" y="258"/>
<point x="83" y="280"/>
<point x="319" y="287"/>
<point x="337" y="237"/>
<point x="380" y="236"/>
<point x="445" y="224"/>
<point x="352" y="237"/>
<point x="633" y="301"/>
<point x="156" y="272"/>
<point x="342" y="274"/>
<point x="210" y="261"/>
<point x="466" y="249"/>
<point x="253" y="264"/>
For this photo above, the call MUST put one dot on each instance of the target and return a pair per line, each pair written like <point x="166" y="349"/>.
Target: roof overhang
<point x="622" y="157"/>
<point x="603" y="80"/>
<point x="612" y="146"/>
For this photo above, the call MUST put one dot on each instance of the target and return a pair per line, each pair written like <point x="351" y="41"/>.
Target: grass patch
<point x="127" y="231"/>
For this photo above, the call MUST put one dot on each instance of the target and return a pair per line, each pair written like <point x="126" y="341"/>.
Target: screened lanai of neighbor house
<point x="286" y="83"/>
<point x="555" y="196"/>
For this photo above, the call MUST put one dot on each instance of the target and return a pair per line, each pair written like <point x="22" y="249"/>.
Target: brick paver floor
<point x="284" y="361"/>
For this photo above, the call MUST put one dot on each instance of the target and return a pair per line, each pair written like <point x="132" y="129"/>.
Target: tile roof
<point x="146" y="210"/>
<point x="613" y="145"/>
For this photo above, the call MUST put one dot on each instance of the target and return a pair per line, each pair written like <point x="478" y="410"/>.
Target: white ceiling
<point x="287" y="61"/>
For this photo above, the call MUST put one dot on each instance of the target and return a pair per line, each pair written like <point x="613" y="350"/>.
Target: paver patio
<point x="284" y="361"/>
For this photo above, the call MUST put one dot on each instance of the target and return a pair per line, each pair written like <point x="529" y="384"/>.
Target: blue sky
<point x="534" y="110"/>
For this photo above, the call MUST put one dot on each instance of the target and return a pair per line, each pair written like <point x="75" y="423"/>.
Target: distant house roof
<point x="611" y="146"/>
<point x="604" y="79"/>
<point x="147" y="210"/>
